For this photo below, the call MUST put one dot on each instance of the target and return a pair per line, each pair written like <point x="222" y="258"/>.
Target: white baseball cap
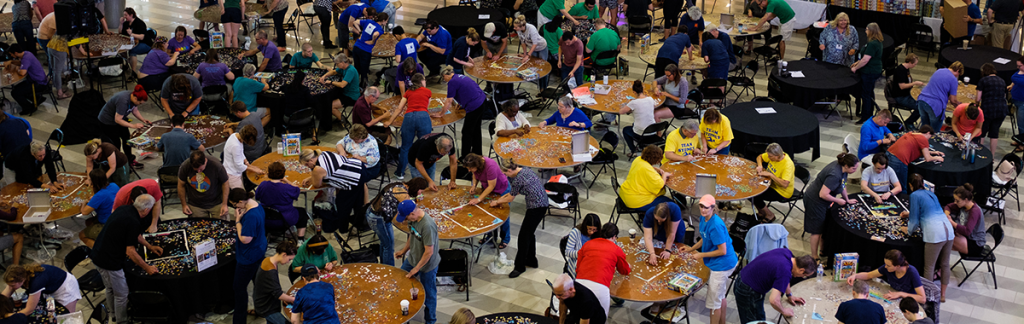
<point x="489" y="30"/>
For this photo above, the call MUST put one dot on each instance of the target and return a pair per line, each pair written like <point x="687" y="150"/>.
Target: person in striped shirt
<point x="338" y="172"/>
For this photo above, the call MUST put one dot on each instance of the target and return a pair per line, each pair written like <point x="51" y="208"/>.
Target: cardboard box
<point x="953" y="13"/>
<point x="684" y="283"/>
<point x="846" y="266"/>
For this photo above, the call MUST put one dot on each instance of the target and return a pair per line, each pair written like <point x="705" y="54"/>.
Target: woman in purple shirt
<point x="488" y="175"/>
<point x="403" y="77"/>
<point x="279" y="194"/>
<point x="213" y="72"/>
<point x="466" y="92"/>
<point x="182" y="42"/>
<point x="155" y="68"/>
<point x="942" y="87"/>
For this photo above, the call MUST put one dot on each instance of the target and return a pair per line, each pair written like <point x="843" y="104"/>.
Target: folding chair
<point x="988" y="256"/>
<point x="562" y="193"/>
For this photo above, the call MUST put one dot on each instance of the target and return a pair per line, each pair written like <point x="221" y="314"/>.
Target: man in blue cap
<point x="423" y="259"/>
<point x="315" y="300"/>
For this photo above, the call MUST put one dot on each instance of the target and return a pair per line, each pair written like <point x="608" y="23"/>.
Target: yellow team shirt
<point x="642" y="185"/>
<point x="677" y="144"/>
<point x="782" y="169"/>
<point x="716" y="133"/>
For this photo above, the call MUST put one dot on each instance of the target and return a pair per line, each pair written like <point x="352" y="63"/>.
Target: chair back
<point x="562" y="192"/>
<point x="996" y="230"/>
<point x="75" y="257"/>
<point x="99" y="314"/>
<point x="654" y="129"/>
<point x="922" y="34"/>
<point x="611" y="138"/>
<point x="803" y="174"/>
<point x="739" y="245"/>
<point x="774" y="40"/>
<point x="461" y="173"/>
<point x="762" y="99"/>
<point x="639" y="24"/>
<point x="851" y="143"/>
<point x="301" y="117"/>
<point x="754" y="149"/>
<point x="891" y="61"/>
<point x="752" y="66"/>
<point x="887" y="92"/>
<point x="608" y="54"/>
<point x="490" y="128"/>
<point x="562" y="243"/>
<point x="695" y="96"/>
<point x="763" y="238"/>
<point x="453" y="262"/>
<point x="168" y="176"/>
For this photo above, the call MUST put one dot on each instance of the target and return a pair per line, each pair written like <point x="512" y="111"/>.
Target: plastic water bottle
<point x="51" y="307"/>
<point x="821" y="272"/>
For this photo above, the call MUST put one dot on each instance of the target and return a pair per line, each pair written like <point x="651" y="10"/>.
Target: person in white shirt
<point x="235" y="163"/>
<point x="510" y="122"/>
<point x="644" y="115"/>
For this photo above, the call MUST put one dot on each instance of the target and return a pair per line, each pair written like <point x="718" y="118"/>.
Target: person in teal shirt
<point x="781" y="9"/>
<point x="585" y="10"/>
<point x="349" y="84"/>
<point x="603" y="40"/>
<point x="715" y="249"/>
<point x="316" y="251"/>
<point x="870" y="66"/>
<point x="306" y="58"/>
<point x="248" y="86"/>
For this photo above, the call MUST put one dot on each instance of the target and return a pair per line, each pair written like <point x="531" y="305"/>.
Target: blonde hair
<point x="472" y="34"/>
<point x="447" y="70"/>
<point x="21" y="273"/>
<point x="463" y="316"/>
<point x="308" y="154"/>
<point x="508" y="164"/>
<point x="957" y="66"/>
<point x="911" y="58"/>
<point x="874" y="33"/>
<point x="841" y="16"/>
<point x="92" y="146"/>
<point x="520" y="21"/>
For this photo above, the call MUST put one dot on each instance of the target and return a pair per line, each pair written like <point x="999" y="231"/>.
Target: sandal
<point x="252" y="312"/>
<point x="1018" y="149"/>
<point x="502" y="245"/>
<point x="461" y="287"/>
<point x="767" y="221"/>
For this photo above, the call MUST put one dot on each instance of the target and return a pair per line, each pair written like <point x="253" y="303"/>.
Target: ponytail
<point x="472" y="34"/>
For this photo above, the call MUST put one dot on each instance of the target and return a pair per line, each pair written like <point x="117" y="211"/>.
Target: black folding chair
<point x="987" y="256"/>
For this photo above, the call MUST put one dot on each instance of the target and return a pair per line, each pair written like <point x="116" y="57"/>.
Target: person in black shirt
<point x="135" y="28"/>
<point x="860" y="309"/>
<point x="116" y="242"/>
<point x="992" y="96"/>
<point x="461" y="56"/>
<point x="496" y="37"/>
<point x="635" y="8"/>
<point x="578" y="300"/>
<point x="426" y="151"/>
<point x="1003" y="14"/>
<point x="7" y="313"/>
<point x="266" y="292"/>
<point x="25" y="166"/>
<point x="902" y="82"/>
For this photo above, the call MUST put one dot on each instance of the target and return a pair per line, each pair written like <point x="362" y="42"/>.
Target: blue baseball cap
<point x="405" y="208"/>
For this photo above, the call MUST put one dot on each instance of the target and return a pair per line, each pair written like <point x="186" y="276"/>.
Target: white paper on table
<point x="483" y="17"/>
<point x="602" y="89"/>
<point x="586" y="100"/>
<point x="796" y="74"/>
<point x="125" y="47"/>
<point x="585" y="157"/>
<point x="765" y="110"/>
<point x="108" y="53"/>
<point x="1001" y="60"/>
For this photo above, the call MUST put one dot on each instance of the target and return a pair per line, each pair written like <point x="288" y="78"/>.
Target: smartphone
<point x="561" y="160"/>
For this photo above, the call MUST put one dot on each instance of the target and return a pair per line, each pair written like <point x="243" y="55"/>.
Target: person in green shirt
<point x="585" y="10"/>
<point x="870" y="66"/>
<point x="552" y="32"/>
<point x="550" y="9"/>
<point x="316" y="251"/>
<point x="603" y="40"/>
<point x="781" y="9"/>
<point x="306" y="58"/>
<point x="349" y="84"/>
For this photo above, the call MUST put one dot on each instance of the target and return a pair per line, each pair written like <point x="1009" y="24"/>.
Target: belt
<point x="1005" y="23"/>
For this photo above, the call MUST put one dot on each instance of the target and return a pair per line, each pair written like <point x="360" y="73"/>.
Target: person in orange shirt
<point x="967" y="119"/>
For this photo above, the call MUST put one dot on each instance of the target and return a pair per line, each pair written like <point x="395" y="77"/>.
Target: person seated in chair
<point x="348" y="87"/>
<point x="644" y="187"/>
<point x="860" y="309"/>
<point x="154" y="69"/>
<point x="246" y="87"/>
<point x="8" y="239"/>
<point x="177" y="144"/>
<point x="644" y="115"/>
<point x="510" y="123"/>
<point x="181" y="43"/>
<point x="362" y="114"/>
<point x="213" y="73"/>
<point x="271" y="56"/>
<point x="316" y="251"/>
<point x="27" y="92"/>
<point x="780" y="170"/>
<point x="280" y="195"/>
<point x="180" y="95"/>
<point x="879" y="180"/>
<point x="968" y="222"/>
<point x="875" y="135"/>
<point x="716" y="132"/>
<point x="568" y="116"/>
<point x="603" y="40"/>
<point x="102" y="203"/>
<point x="25" y="166"/>
<point x="306" y="58"/>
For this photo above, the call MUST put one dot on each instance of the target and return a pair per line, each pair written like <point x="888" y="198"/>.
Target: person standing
<point x="578" y="303"/>
<point x="467" y="94"/>
<point x="113" y="114"/>
<point x="488" y="178"/>
<point x="369" y="31"/>
<point x="266" y="292"/>
<point x="926" y="212"/>
<point x="770" y="273"/>
<point x="347" y="19"/>
<point x="940" y="90"/>
<point x="839" y="41"/>
<point x="549" y="10"/>
<point x="968" y="119"/>
<point x="416" y="121"/>
<point x="314" y="302"/>
<point x="425" y="153"/>
<point x="1003" y="14"/>
<point x="532" y="43"/>
<point x="421" y="249"/>
<point x="782" y="10"/>
<point x="992" y="92"/>
<point x="579" y="236"/>
<point x="672" y="50"/>
<point x="570" y="57"/>
<point x="463" y="48"/>
<point x="106" y="157"/>
<point x="599" y="259"/>
<point x="279" y="8"/>
<point x="117" y="242"/>
<point x="231" y="14"/>
<point x="663" y="225"/>
<point x="322" y="9"/>
<point x="822" y="194"/>
<point x="525" y="182"/>
<point x="250" y="247"/>
<point x="384" y="208"/>
<point x="406" y="47"/>
<point x="42" y="279"/>
<point x="235" y="163"/>
<point x="860" y="309"/>
<point x="718" y="255"/>
<point x="203" y="186"/>
<point x="21" y="24"/>
<point x="341" y="173"/>
<point x="870" y="65"/>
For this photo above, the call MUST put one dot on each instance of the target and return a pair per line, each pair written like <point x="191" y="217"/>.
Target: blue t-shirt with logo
<point x="103" y="202"/>
<point x="368" y="27"/>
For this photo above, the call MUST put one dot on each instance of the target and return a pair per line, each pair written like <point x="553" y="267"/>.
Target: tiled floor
<point x="975" y="302"/>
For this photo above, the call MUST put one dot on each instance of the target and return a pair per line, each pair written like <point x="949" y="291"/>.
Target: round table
<point x="312" y="81"/>
<point x="743" y="25"/>
<point x="209" y="130"/>
<point x="188" y="63"/>
<point x="368" y="293"/>
<point x="583" y="30"/>
<point x="8" y="17"/>
<point x="821" y="80"/>
<point x="100" y="44"/>
<point x="621" y="93"/>
<point x="456" y="219"/>
<point x="647" y="283"/>
<point x="212" y="14"/>
<point x="192" y="291"/>
<point x="502" y="70"/>
<point x="794" y="128"/>
<point x="871" y="230"/>
<point x="456" y="19"/>
<point x="737" y="178"/>
<point x="541" y="148"/>
<point x="966" y="93"/>
<point x="954" y="171"/>
<point x="824" y="298"/>
<point x="65" y="203"/>
<point x="453" y="115"/>
<point x="515" y="318"/>
<point x="295" y="173"/>
<point x="977" y="55"/>
<point x="684" y="62"/>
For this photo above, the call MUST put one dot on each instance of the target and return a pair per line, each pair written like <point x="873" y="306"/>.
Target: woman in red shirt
<point x="416" y="120"/>
<point x="910" y="147"/>
<point x="598" y="260"/>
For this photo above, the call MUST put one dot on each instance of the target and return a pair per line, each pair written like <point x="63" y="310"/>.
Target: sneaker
<point x="330" y="46"/>
<point x="137" y="165"/>
<point x="146" y="155"/>
<point x="400" y="177"/>
<point x="515" y="274"/>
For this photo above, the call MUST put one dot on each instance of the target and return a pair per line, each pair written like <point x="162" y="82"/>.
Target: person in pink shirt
<point x="967" y="119"/>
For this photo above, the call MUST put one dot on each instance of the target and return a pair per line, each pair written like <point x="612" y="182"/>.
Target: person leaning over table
<point x="942" y="88"/>
<point x="314" y="302"/>
<point x="675" y="89"/>
<point x="716" y="132"/>
<point x="127" y="194"/>
<point x="716" y="55"/>
<point x="213" y="72"/>
<point x="306" y="58"/>
<point x="585" y="10"/>
<point x="937" y="232"/>
<point x="899" y="274"/>
<point x="316" y="251"/>
<point x="568" y="116"/>
<point x="645" y="115"/>
<point x="464" y="91"/>
<point x="671" y="11"/>
<point x="821" y="193"/>
<point x="902" y="82"/>
<point x="426" y="151"/>
<point x="770" y="273"/>
<point x="271" y="56"/>
<point x="968" y="119"/>
<point x="156" y="66"/>
<point x="570" y="57"/>
<point x="182" y="43"/>
<point x="113" y="117"/>
<point x="780" y="170"/>
<point x="235" y="163"/>
<point x="526" y="182"/>
<point x="117" y="242"/>
<point x="490" y="177"/>
<point x="875" y="135"/>
<point x="347" y="21"/>
<point x="406" y="47"/>
<point x="25" y="165"/>
<point x="663" y="226"/>
<point x="910" y="310"/>
<point x="578" y="304"/>
<point x="39" y="279"/>
<point x="421" y="251"/>
<point x="348" y="88"/>
<point x="404" y="73"/>
<point x="28" y="92"/>
<point x="384" y="208"/>
<point x="369" y="31"/>
<point x="531" y="43"/>
<point x="177" y="144"/>
<point x="203" y="186"/>
<point x="577" y="237"/>
<point x="181" y="95"/>
<point x="909" y="148"/>
<point x="133" y="27"/>
<point x="645" y="183"/>
<point x="992" y="97"/>
<point x="879" y="180"/>
<point x="860" y="309"/>
<point x="967" y="220"/>
<point x="870" y="65"/>
<point x="342" y="174"/>
<point x="106" y="157"/>
<point x="435" y="46"/>
<point x="598" y="261"/>
<point x="462" y="51"/>
<point x="266" y="291"/>
<point x="250" y="247"/>
<point x="602" y="40"/>
<point x="684" y="143"/>
<point x="246" y="87"/>
<point x="693" y="20"/>
<point x="258" y="120"/>
<point x="280" y="195"/>
<point x="362" y="114"/>
<point x="754" y="10"/>
<point x="548" y="11"/>
<point x="415" y="121"/>
<point x="787" y="19"/>
<point x="510" y="123"/>
<point x="717" y="254"/>
<point x="102" y="202"/>
<point x="839" y="41"/>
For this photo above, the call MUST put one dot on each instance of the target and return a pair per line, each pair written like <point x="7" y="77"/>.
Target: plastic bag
<point x="572" y="82"/>
<point x="501" y="265"/>
<point x="113" y="70"/>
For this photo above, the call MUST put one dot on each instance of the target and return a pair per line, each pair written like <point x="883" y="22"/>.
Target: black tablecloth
<point x="899" y="26"/>
<point x="821" y="80"/>
<point x="841" y="237"/>
<point x="978" y="55"/>
<point x="795" y="129"/>
<point x="511" y="316"/>
<point x="954" y="171"/>
<point x="456" y="19"/>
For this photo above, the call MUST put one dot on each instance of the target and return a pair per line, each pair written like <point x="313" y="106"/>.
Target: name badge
<point x="839" y="46"/>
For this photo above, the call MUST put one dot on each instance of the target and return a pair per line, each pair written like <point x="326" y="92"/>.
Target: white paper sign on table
<point x="126" y="47"/>
<point x="206" y="254"/>
<point x="483" y="17"/>
<point x="765" y="110"/>
<point x="1001" y="60"/>
<point x="796" y="74"/>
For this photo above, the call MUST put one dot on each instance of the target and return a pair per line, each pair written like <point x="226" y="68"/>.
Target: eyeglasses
<point x="705" y="207"/>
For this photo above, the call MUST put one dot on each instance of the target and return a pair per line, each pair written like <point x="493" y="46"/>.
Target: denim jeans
<point x="277" y="318"/>
<point x="542" y="54"/>
<point x="415" y="125"/>
<point x="386" y="235"/>
<point x="899" y="168"/>
<point x="390" y="10"/>
<point x="631" y="138"/>
<point x="23" y="34"/>
<point x="867" y="96"/>
<point x="429" y="281"/>
<point x="415" y="173"/>
<point x="139" y="49"/>
<point x="578" y="75"/>
<point x="928" y="116"/>
<point x="43" y="43"/>
<point x="506" y="232"/>
<point x="1020" y="116"/>
<point x="910" y="103"/>
<point x="724" y="151"/>
<point x="244" y="273"/>
<point x="749" y="303"/>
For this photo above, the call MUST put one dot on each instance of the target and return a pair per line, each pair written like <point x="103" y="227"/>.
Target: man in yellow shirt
<point x="716" y="132"/>
<point x="683" y="144"/>
<point x="780" y="170"/>
<point x="645" y="183"/>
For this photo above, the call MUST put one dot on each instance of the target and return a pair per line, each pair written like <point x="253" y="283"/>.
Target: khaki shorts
<point x="786" y="30"/>
<point x="212" y="212"/>
<point x="718" y="284"/>
<point x="93" y="231"/>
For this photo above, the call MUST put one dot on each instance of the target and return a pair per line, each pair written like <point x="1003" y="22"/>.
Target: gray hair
<point x="694" y="12"/>
<point x="371" y="92"/>
<point x="36" y="147"/>
<point x="444" y="143"/>
<point x="565" y="101"/>
<point x="143" y="202"/>
<point x="249" y="70"/>
<point x="447" y="70"/>
<point x="563" y="280"/>
<point x="341" y="58"/>
<point x="861" y="287"/>
<point x="261" y="35"/>
<point x="691" y="125"/>
<point x="775" y="149"/>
